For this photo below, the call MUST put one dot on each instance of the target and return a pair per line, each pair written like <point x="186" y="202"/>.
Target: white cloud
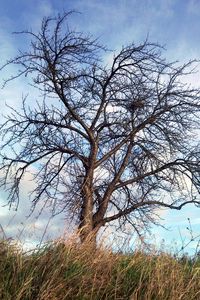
<point x="19" y="225"/>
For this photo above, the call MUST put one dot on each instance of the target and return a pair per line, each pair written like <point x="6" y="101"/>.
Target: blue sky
<point x="172" y="23"/>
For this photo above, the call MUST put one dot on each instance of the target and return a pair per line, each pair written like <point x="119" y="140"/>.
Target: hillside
<point x="61" y="271"/>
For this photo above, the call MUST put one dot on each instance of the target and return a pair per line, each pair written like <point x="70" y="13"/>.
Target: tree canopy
<point x="110" y="143"/>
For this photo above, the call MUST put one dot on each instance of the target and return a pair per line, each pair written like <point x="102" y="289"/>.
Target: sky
<point x="175" y="24"/>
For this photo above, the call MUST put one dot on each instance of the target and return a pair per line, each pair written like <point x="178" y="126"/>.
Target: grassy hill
<point x="60" y="271"/>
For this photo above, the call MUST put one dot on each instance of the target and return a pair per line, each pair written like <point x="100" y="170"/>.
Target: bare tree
<point x="109" y="143"/>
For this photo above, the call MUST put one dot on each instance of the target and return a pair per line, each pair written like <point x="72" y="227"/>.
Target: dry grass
<point x="62" y="271"/>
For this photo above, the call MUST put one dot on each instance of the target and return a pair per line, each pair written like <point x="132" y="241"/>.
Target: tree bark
<point x="87" y="233"/>
<point x="87" y="230"/>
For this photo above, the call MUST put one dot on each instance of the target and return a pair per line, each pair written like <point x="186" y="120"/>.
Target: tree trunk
<point x="88" y="235"/>
<point x="87" y="232"/>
